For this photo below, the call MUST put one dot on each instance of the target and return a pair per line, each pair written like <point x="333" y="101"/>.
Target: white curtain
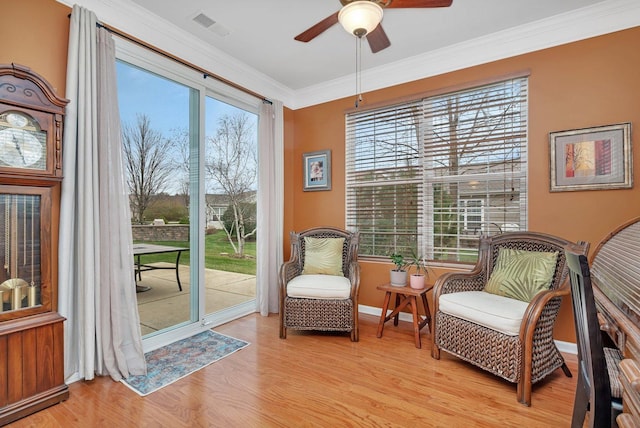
<point x="270" y="205"/>
<point x="96" y="280"/>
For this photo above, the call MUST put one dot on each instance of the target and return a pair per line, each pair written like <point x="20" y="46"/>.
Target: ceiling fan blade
<point x="317" y="29"/>
<point x="398" y="4"/>
<point x="378" y="39"/>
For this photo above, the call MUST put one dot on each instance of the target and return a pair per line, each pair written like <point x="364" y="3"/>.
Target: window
<point x="472" y="212"/>
<point x="435" y="173"/>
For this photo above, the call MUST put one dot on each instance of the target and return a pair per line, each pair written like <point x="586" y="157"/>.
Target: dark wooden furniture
<point x="405" y="297"/>
<point x="598" y="394"/>
<point x="615" y="274"/>
<point x="320" y="314"/>
<point x="525" y="358"/>
<point x="142" y="249"/>
<point x="31" y="330"/>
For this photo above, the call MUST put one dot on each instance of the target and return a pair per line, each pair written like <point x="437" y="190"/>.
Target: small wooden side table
<point x="405" y="296"/>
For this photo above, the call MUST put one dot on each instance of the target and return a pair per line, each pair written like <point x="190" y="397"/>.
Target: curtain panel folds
<point x="96" y="273"/>
<point x="270" y="205"/>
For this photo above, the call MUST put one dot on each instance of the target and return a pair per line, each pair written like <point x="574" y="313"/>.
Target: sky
<point x="164" y="102"/>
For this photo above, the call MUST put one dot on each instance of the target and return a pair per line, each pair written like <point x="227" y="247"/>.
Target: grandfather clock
<point x="31" y="330"/>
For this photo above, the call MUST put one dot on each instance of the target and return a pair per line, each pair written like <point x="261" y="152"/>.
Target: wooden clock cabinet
<point x="31" y="330"/>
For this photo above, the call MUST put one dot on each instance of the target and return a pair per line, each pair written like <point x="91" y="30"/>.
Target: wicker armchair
<point x="528" y="353"/>
<point x="322" y="312"/>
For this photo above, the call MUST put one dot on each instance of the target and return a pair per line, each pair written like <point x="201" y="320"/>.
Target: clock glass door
<point x="20" y="277"/>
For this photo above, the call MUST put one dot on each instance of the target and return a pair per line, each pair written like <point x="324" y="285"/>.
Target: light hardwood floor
<point x="320" y="380"/>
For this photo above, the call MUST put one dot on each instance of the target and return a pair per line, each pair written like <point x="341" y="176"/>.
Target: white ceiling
<point x="260" y="32"/>
<point x="260" y="36"/>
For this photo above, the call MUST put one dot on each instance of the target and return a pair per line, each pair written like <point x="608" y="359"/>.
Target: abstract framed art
<point x="596" y="158"/>
<point x="316" y="170"/>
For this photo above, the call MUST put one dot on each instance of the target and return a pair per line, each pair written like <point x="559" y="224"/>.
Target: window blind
<point x="433" y="174"/>
<point x="384" y="178"/>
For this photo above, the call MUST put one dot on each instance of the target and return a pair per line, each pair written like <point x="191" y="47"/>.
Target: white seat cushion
<point x="498" y="313"/>
<point x="319" y="287"/>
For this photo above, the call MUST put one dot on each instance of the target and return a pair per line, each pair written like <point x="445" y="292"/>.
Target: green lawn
<point x="218" y="254"/>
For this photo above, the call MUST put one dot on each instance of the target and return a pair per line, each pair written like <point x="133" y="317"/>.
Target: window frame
<point x="517" y="144"/>
<point x="466" y="212"/>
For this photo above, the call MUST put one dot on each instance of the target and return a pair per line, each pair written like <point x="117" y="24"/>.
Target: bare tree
<point x="180" y="138"/>
<point x="232" y="163"/>
<point x="468" y="123"/>
<point x="147" y="163"/>
<point x="459" y="127"/>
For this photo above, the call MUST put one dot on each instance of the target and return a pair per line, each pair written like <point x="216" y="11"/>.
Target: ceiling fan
<point x="377" y="38"/>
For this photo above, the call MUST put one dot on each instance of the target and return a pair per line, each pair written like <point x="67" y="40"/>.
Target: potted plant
<point x="417" y="279"/>
<point x="399" y="274"/>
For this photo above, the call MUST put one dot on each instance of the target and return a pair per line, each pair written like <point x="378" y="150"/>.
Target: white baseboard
<point x="566" y="347"/>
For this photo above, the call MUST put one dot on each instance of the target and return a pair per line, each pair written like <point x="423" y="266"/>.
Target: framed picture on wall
<point x="316" y="170"/>
<point x="591" y="158"/>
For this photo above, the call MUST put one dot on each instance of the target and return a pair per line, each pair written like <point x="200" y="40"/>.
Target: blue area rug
<point x="170" y="363"/>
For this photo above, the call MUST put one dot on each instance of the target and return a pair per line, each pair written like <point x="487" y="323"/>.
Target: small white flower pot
<point x="398" y="278"/>
<point x="416" y="281"/>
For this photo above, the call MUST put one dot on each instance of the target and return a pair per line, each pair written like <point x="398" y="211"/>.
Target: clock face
<point x="20" y="148"/>
<point x="18" y="120"/>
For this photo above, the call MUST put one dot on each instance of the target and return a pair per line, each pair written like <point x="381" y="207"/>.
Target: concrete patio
<point x="163" y="305"/>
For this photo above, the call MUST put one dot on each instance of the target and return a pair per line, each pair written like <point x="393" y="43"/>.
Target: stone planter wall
<point x="167" y="232"/>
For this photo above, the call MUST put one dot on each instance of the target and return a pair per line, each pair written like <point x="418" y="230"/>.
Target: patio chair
<point x="319" y="284"/>
<point x="599" y="389"/>
<point x="500" y="316"/>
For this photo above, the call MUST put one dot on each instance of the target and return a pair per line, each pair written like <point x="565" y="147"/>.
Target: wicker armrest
<point x="288" y="271"/>
<point x="454" y="282"/>
<point x="536" y="309"/>
<point x="354" y="277"/>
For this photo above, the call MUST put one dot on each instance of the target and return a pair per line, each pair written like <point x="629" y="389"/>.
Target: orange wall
<point x="587" y="83"/>
<point x="39" y="35"/>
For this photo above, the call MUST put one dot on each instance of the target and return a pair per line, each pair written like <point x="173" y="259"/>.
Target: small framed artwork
<point x="591" y="158"/>
<point x="317" y="170"/>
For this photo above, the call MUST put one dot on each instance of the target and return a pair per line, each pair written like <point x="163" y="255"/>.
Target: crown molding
<point x="136" y="21"/>
<point x="601" y="18"/>
<point x="598" y="19"/>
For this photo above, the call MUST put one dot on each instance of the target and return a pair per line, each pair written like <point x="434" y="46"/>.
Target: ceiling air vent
<point x="211" y="25"/>
<point x="204" y="20"/>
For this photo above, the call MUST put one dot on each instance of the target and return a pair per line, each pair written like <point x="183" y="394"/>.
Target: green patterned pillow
<point x="323" y="256"/>
<point x="521" y="274"/>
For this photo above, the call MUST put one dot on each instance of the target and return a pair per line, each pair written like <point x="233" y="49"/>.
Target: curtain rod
<point x="204" y="72"/>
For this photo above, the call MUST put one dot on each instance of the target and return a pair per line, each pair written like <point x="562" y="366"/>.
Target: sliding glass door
<point x="190" y="151"/>
<point x="230" y="183"/>
<point x="156" y="133"/>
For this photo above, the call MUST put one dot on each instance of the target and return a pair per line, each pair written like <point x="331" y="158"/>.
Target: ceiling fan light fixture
<point x="360" y="17"/>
